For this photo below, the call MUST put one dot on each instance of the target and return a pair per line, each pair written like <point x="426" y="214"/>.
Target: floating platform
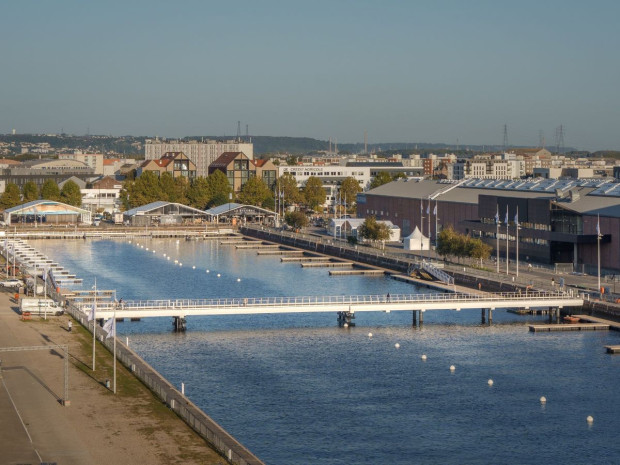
<point x="325" y="264"/>
<point x="593" y="319"/>
<point x="237" y="241"/>
<point x="569" y="327"/>
<point x="613" y="349"/>
<point x="356" y="272"/>
<point x="303" y="259"/>
<point x="280" y="252"/>
<point x="258" y="245"/>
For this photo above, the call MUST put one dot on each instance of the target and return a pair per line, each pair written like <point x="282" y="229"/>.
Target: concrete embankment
<point x="205" y="426"/>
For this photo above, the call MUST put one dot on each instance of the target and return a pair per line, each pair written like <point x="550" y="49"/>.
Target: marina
<point x="273" y="367"/>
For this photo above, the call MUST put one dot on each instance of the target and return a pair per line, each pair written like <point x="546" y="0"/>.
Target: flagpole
<point x="428" y="212"/>
<point x="435" y="229"/>
<point x="94" y="322"/>
<point x="598" y="248"/>
<point x="517" y="226"/>
<point x="114" y="323"/>
<point x="507" y="246"/>
<point x="497" y="236"/>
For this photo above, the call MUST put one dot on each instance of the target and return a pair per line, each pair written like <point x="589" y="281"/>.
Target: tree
<point x="296" y="219"/>
<point x="374" y="231"/>
<point x="254" y="192"/>
<point x="314" y="193"/>
<point x="479" y="250"/>
<point x="382" y="177"/>
<point x="144" y="190"/>
<point x="30" y="192"/>
<point x="10" y="197"/>
<point x="181" y="186"/>
<point x="198" y="194"/>
<point x="219" y="188"/>
<point x="166" y="184"/>
<point x="287" y="185"/>
<point x="349" y="190"/>
<point x="50" y="190"/>
<point x="71" y="194"/>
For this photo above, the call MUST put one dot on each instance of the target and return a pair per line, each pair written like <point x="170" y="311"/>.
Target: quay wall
<point x="373" y="257"/>
<point x="231" y="449"/>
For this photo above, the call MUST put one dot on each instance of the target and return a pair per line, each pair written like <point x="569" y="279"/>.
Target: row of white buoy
<point x="543" y="399"/>
<point x="177" y="262"/>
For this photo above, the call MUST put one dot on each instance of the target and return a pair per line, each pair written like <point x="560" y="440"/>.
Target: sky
<point x="405" y="71"/>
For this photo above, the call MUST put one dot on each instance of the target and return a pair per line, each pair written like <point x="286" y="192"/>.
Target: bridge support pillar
<point x="414" y="319"/>
<point x="179" y="324"/>
<point x="551" y="315"/>
<point x="490" y="315"/>
<point x="346" y="318"/>
<point x="483" y="318"/>
<point x="421" y="317"/>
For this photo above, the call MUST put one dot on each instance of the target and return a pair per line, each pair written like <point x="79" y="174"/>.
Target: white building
<point x="92" y="160"/>
<point x="331" y="176"/>
<point x="202" y="154"/>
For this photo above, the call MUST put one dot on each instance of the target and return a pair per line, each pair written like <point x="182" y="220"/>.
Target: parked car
<point x="11" y="283"/>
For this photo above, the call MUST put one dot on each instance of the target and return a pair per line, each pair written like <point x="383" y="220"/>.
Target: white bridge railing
<point x="326" y="301"/>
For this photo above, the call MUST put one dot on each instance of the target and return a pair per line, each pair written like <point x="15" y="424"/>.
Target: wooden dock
<point x="356" y="272"/>
<point x="257" y="245"/>
<point x="325" y="264"/>
<point x="613" y="349"/>
<point x="569" y="327"/>
<point x="593" y="319"/>
<point x="303" y="259"/>
<point x="281" y="252"/>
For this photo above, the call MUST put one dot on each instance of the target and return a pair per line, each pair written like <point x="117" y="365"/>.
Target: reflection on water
<point x="296" y="389"/>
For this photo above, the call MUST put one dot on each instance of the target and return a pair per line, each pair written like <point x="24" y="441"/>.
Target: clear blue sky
<point x="406" y="71"/>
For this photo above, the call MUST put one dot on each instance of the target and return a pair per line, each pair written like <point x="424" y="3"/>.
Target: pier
<point x="569" y="327"/>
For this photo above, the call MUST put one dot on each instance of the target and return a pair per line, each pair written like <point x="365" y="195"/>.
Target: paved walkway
<point x="98" y="427"/>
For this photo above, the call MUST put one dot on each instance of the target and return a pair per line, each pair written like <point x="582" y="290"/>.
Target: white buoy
<point x="176" y="261"/>
<point x="168" y="258"/>
<point x="180" y="264"/>
<point x="194" y="267"/>
<point x="164" y="255"/>
<point x="238" y="280"/>
<point x="346" y="325"/>
<point x="154" y="251"/>
<point x="147" y="249"/>
<point x="397" y="345"/>
<point x="208" y="271"/>
<point x="490" y="382"/>
<point x="369" y="334"/>
<point x="423" y="357"/>
<point x="452" y="368"/>
<point x="590" y="419"/>
<point x="543" y="400"/>
<point x="218" y="275"/>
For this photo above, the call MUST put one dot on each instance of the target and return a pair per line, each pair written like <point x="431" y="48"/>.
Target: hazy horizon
<point x="444" y="72"/>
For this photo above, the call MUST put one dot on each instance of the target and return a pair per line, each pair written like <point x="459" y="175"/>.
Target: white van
<point x="40" y="306"/>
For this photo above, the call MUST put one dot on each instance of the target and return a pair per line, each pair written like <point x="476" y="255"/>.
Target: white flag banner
<point x="91" y="314"/>
<point x="108" y="327"/>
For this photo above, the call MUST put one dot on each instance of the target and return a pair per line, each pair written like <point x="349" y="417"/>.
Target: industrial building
<point x="557" y="219"/>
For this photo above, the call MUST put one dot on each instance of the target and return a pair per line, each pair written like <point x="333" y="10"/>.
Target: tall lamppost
<point x="497" y="223"/>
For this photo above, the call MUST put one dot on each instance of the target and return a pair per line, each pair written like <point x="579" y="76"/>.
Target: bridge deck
<point x="317" y="304"/>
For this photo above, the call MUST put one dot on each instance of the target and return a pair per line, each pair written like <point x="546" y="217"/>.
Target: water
<point x="296" y="389"/>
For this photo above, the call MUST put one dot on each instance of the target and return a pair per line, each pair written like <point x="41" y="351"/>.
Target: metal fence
<point x="214" y="434"/>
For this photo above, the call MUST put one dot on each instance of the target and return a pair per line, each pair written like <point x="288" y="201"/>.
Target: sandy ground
<point x="98" y="427"/>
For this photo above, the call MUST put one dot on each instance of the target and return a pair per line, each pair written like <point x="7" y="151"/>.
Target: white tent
<point x="416" y="241"/>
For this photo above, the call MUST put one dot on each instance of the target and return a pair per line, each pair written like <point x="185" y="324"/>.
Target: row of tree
<point x="215" y="190"/>
<point x="13" y="196"/>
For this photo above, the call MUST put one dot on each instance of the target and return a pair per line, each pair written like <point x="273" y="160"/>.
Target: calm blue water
<point x="299" y="390"/>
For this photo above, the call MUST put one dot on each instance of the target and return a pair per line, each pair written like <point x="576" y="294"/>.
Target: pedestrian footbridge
<point x="343" y="305"/>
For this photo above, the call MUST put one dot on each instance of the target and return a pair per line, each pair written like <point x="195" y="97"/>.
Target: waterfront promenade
<point x="97" y="427"/>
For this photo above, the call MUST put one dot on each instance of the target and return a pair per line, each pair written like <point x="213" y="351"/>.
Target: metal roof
<point x="232" y="206"/>
<point x="145" y="209"/>
<point x="596" y="196"/>
<point x="39" y="203"/>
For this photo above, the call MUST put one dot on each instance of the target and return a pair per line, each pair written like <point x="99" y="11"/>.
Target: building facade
<point x="557" y="219"/>
<point x="238" y="168"/>
<point x="175" y="163"/>
<point x="202" y="154"/>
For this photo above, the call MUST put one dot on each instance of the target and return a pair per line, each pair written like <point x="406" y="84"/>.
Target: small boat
<point x="571" y="319"/>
